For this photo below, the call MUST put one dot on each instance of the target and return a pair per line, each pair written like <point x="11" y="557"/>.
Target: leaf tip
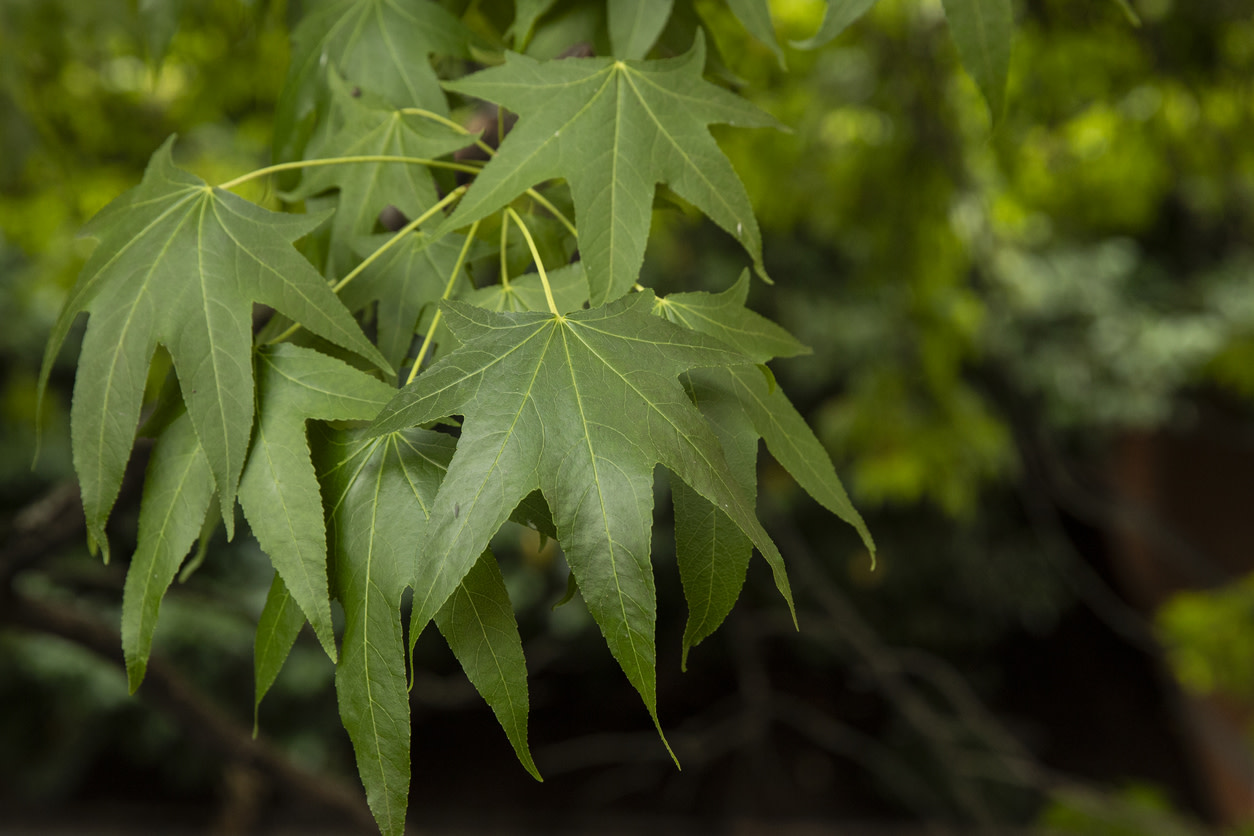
<point x="135" y="670"/>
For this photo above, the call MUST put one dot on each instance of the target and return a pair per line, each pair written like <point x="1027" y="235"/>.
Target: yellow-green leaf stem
<point x="491" y="152"/>
<point x="451" y="197"/>
<point x="391" y="242"/>
<point x="535" y="255"/>
<point x="364" y="158"/>
<point x="554" y="211"/>
<point x="503" y="246"/>
<point x="448" y="123"/>
<point x="448" y="291"/>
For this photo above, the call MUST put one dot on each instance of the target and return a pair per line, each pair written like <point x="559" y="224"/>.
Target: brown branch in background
<point x="198" y="717"/>
<point x="47" y="524"/>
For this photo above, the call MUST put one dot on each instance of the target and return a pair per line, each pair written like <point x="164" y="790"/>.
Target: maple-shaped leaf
<point x="405" y="281"/>
<point x="366" y="189"/>
<point x="614" y="130"/>
<point x="279" y="490"/>
<point x="743" y="404"/>
<point x="378" y="493"/>
<point x="384" y="46"/>
<point x="581" y="406"/>
<point x="178" y="488"/>
<point x="180" y="263"/>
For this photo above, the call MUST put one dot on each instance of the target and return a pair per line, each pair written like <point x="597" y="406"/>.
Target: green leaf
<point x="159" y="20"/>
<point x="755" y="16"/>
<point x="525" y="17"/>
<point x="982" y="29"/>
<point x="526" y="293"/>
<point x="279" y="490"/>
<point x="635" y="25"/>
<point x="614" y="129"/>
<point x="277" y="629"/>
<point x="178" y="488"/>
<point x="711" y="551"/>
<point x="383" y="46"/>
<point x="581" y="406"/>
<point x="793" y="444"/>
<point x="366" y="189"/>
<point x="478" y="623"/>
<point x="376" y="490"/>
<point x="181" y="264"/>
<point x="207" y="529"/>
<point x="773" y="417"/>
<point x="407" y="279"/>
<point x="840" y="15"/>
<point x="725" y="316"/>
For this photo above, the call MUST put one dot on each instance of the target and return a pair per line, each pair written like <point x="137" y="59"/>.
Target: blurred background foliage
<point x="994" y="308"/>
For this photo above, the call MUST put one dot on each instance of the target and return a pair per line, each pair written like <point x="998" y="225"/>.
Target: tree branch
<point x="200" y="719"/>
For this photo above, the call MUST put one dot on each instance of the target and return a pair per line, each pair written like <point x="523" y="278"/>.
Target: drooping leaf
<point x="581" y="406"/>
<point x="711" y="551"/>
<point x="768" y="410"/>
<point x="181" y="264"/>
<point x="366" y="189"/>
<point x="404" y="281"/>
<point x="277" y="629"/>
<point x="207" y="529"/>
<point x="635" y="25"/>
<point x="614" y="129"/>
<point x="178" y="488"/>
<point x="375" y="490"/>
<point x="159" y="20"/>
<point x="838" y="17"/>
<point x="793" y="444"/>
<point x="755" y="16"/>
<point x="478" y="623"/>
<point x="279" y="490"/>
<point x="385" y="46"/>
<point x="379" y="494"/>
<point x="982" y="30"/>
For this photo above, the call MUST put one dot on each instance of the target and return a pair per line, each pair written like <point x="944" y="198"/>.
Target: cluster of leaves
<point x="547" y="398"/>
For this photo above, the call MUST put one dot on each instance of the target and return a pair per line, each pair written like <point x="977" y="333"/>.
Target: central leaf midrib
<point x="596" y="480"/>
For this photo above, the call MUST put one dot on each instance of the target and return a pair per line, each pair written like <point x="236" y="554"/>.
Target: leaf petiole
<point x="491" y="152"/>
<point x="448" y="291"/>
<point x="535" y="255"/>
<point x="400" y="233"/>
<point x="448" y="123"/>
<point x="365" y="158"/>
<point x="503" y="252"/>
<point x="391" y="242"/>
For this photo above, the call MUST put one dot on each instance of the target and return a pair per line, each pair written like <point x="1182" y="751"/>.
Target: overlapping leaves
<point x="371" y="128"/>
<point x="566" y="411"/>
<point x="180" y="264"/>
<point x="743" y="405"/>
<point x="581" y="406"/>
<point x="614" y="130"/>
